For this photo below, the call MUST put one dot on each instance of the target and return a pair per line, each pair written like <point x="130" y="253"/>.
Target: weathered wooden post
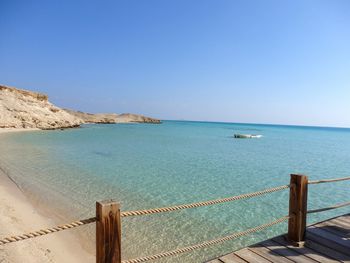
<point x="108" y="232"/>
<point x="297" y="209"/>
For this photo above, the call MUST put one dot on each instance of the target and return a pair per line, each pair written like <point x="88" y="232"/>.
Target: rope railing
<point x="108" y="217"/>
<point x="200" y="204"/>
<point x="329" y="180"/>
<point x="328" y="208"/>
<point x="46" y="231"/>
<point x="206" y="243"/>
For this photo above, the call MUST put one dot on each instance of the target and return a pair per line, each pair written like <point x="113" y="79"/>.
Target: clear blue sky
<point x="268" y="61"/>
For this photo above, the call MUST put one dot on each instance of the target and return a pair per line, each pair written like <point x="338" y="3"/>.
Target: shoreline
<point x="18" y="215"/>
<point x="8" y="130"/>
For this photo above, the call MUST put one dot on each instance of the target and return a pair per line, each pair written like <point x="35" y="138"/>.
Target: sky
<point x="271" y="61"/>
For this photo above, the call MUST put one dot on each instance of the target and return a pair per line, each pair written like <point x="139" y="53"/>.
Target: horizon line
<point x="255" y="123"/>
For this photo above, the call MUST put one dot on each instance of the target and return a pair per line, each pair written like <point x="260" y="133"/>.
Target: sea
<point x="142" y="166"/>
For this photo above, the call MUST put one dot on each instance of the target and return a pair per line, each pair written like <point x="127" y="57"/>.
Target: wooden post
<point x="108" y="232"/>
<point x="297" y="209"/>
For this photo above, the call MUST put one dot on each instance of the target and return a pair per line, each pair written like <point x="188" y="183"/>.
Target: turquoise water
<point x="146" y="166"/>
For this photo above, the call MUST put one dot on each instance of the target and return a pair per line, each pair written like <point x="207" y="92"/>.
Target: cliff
<point x="26" y="109"/>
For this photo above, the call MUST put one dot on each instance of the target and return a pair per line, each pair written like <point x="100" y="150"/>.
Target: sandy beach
<point x="7" y="130"/>
<point x="18" y="215"/>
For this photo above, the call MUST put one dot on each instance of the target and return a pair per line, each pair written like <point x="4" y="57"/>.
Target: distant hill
<point x="112" y="117"/>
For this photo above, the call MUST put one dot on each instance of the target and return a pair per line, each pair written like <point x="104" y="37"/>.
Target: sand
<point x="18" y="215"/>
<point x="6" y="130"/>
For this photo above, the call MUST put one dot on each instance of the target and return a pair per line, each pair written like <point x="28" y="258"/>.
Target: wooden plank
<point x="328" y="243"/>
<point x="345" y="218"/>
<point x="343" y="224"/>
<point x="336" y="221"/>
<point x="297" y="208"/>
<point x="108" y="232"/>
<point x="335" y="229"/>
<point x="232" y="258"/>
<point x="286" y="252"/>
<point x="214" y="261"/>
<point x="308" y="252"/>
<point x="269" y="254"/>
<point x="327" y="251"/>
<point x="337" y="224"/>
<point x="330" y="236"/>
<point x="250" y="256"/>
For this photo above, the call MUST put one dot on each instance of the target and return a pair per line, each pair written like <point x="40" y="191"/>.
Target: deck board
<point x="250" y="256"/>
<point x="334" y="229"/>
<point x="327" y="241"/>
<point x="232" y="258"/>
<point x="286" y="252"/>
<point x="269" y="254"/>
<point x="324" y="250"/>
<point x="307" y="251"/>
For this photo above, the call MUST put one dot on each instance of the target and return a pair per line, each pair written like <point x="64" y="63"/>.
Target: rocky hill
<point x="112" y="117"/>
<point x="94" y="118"/>
<point x="26" y="109"/>
<point x="128" y="117"/>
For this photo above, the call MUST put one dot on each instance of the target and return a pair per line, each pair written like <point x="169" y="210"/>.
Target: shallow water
<point x="146" y="166"/>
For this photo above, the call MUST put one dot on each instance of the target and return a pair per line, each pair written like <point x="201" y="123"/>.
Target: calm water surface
<point x="146" y="166"/>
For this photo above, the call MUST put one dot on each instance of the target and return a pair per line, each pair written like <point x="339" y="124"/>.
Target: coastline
<point x="7" y="130"/>
<point x="18" y="215"/>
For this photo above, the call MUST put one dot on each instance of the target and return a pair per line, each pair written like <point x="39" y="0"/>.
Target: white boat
<point x="247" y="136"/>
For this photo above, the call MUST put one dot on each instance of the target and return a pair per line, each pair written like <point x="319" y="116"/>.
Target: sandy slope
<point x="18" y="216"/>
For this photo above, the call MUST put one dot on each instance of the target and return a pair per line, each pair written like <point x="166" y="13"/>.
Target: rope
<point x="199" y="204"/>
<point x="206" y="243"/>
<point x="328" y="208"/>
<point x="135" y="213"/>
<point x="46" y="231"/>
<point x="329" y="180"/>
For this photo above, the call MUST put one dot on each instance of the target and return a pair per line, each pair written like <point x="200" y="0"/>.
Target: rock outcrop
<point x="112" y="117"/>
<point x="128" y="117"/>
<point x="26" y="109"/>
<point x="94" y="118"/>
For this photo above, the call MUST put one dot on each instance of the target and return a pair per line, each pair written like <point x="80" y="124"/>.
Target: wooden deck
<point x="327" y="241"/>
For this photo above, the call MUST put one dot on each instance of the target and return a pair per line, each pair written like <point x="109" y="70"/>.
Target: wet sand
<point x="18" y="215"/>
